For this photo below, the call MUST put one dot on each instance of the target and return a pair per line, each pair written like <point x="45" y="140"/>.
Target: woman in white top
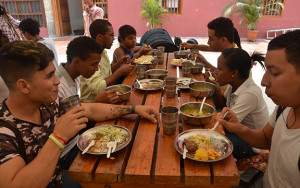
<point x="242" y="95"/>
<point x="281" y="136"/>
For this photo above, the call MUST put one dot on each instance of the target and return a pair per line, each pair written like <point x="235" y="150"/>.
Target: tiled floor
<point x="257" y="72"/>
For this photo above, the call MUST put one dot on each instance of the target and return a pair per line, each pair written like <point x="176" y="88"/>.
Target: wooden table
<point x="151" y="160"/>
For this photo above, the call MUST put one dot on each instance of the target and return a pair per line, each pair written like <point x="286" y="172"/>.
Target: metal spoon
<point x="217" y="123"/>
<point x="200" y="112"/>
<point x="88" y="147"/>
<point x="138" y="83"/>
<point x="110" y="145"/>
<point x="210" y="76"/>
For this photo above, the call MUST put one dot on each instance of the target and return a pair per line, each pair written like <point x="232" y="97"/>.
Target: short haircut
<point x="290" y="42"/>
<point x="99" y="26"/>
<point x="30" y="26"/>
<point x="237" y="58"/>
<point x="124" y="31"/>
<point x="223" y="27"/>
<point x="21" y="59"/>
<point x="2" y="10"/>
<point x="82" y="47"/>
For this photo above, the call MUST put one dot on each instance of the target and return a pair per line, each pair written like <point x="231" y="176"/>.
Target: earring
<point x="232" y="76"/>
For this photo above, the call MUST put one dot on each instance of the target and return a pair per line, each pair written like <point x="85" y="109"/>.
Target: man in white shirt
<point x="91" y="13"/>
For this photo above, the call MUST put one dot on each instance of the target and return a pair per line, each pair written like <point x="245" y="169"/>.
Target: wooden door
<point x="61" y="17"/>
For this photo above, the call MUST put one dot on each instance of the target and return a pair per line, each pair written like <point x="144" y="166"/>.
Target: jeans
<point x="240" y="148"/>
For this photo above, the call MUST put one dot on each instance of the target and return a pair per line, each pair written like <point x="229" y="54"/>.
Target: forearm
<point x="113" y="78"/>
<point x="39" y="172"/>
<point x="102" y="112"/>
<point x="254" y="137"/>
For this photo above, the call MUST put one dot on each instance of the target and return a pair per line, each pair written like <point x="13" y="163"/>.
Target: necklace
<point x="285" y="121"/>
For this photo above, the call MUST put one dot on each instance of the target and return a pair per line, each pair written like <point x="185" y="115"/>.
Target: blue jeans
<point x="240" y="148"/>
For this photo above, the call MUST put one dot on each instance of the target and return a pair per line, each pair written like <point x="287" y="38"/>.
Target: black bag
<point x="159" y="37"/>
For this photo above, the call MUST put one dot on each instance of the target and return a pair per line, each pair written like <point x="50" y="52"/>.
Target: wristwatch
<point x="89" y="14"/>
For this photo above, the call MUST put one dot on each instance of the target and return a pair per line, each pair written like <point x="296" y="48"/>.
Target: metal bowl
<point x="196" y="120"/>
<point x="202" y="89"/>
<point x="197" y="68"/>
<point x="183" y="54"/>
<point x="157" y="73"/>
<point x="151" y="65"/>
<point x="123" y="91"/>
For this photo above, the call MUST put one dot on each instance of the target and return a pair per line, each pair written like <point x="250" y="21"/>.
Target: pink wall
<point x="195" y="16"/>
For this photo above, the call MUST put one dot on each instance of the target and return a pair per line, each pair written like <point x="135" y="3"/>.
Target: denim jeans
<point x="240" y="148"/>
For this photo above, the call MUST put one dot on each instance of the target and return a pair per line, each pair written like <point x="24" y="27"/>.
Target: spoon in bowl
<point x="200" y="112"/>
<point x="210" y="76"/>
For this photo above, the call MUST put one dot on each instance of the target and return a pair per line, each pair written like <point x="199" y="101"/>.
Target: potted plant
<point x="153" y="12"/>
<point x="250" y="11"/>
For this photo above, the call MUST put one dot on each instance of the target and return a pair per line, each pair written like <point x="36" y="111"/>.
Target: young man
<point x="34" y="110"/>
<point x="221" y="35"/>
<point x="282" y="134"/>
<point x="102" y="31"/>
<point x="91" y="13"/>
<point x="31" y="31"/>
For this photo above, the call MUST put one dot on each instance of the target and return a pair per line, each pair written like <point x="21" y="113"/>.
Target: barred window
<point x="274" y="10"/>
<point x="20" y="9"/>
<point x="103" y="4"/>
<point x="173" y="6"/>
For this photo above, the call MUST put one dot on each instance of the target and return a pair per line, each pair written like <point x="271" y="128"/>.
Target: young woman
<point x="127" y="40"/>
<point x="242" y="95"/>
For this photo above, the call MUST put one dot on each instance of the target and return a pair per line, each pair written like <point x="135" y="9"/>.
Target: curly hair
<point x="30" y="26"/>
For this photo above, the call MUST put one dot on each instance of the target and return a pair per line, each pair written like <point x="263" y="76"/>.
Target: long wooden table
<point x="151" y="160"/>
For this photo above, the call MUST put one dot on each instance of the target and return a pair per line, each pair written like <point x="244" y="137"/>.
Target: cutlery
<point x="138" y="83"/>
<point x="217" y="123"/>
<point x="210" y="76"/>
<point x="88" y="147"/>
<point x="115" y="144"/>
<point x="109" y="146"/>
<point x="200" y="112"/>
<point x="184" y="152"/>
<point x="179" y="50"/>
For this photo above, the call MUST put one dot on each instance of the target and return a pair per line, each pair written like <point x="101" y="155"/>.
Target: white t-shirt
<point x="248" y="104"/>
<point x="50" y="44"/>
<point x="282" y="170"/>
<point x="67" y="88"/>
<point x="3" y="90"/>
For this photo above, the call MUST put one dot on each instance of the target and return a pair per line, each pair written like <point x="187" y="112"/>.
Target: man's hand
<point x="109" y="96"/>
<point x="144" y="50"/>
<point x="148" y="112"/>
<point x="230" y="122"/>
<point x="126" y="69"/>
<point x="69" y="124"/>
<point x="186" y="45"/>
<point x="200" y="58"/>
<point x="124" y="60"/>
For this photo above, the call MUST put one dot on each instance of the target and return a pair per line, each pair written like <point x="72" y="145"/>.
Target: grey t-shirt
<point x="282" y="170"/>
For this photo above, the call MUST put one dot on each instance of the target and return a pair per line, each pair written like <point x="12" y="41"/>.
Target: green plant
<point x="250" y="11"/>
<point x="153" y="12"/>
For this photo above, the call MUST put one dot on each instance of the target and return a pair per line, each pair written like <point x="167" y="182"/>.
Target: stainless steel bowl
<point x="157" y="73"/>
<point x="183" y="54"/>
<point x="202" y="89"/>
<point x="151" y="65"/>
<point x="196" y="120"/>
<point x="197" y="68"/>
<point x="123" y="91"/>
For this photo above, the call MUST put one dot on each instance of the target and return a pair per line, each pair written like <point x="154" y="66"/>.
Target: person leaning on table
<point x="281" y="136"/>
<point x="33" y="110"/>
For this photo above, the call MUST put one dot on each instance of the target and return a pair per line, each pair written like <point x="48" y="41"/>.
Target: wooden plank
<point x="167" y="167"/>
<point x="138" y="168"/>
<point x="83" y="167"/>
<point x="112" y="170"/>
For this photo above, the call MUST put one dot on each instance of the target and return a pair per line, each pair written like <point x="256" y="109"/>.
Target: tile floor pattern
<point x="257" y="72"/>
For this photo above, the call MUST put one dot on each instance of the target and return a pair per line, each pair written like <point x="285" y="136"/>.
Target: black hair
<point x="2" y="35"/>
<point x="223" y="27"/>
<point x="21" y="59"/>
<point x="291" y="43"/>
<point x="236" y="58"/>
<point x="2" y="10"/>
<point x="124" y="31"/>
<point x="99" y="26"/>
<point x="82" y="47"/>
<point x="30" y="26"/>
<point x="192" y="41"/>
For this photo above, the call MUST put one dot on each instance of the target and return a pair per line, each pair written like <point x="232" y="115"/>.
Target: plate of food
<point x="145" y="59"/>
<point x="101" y="136"/>
<point x="149" y="84"/>
<point x="203" y="145"/>
<point x="178" y="62"/>
<point x="183" y="82"/>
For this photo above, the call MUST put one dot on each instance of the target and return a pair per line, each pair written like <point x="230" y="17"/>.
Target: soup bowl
<point x="202" y="89"/>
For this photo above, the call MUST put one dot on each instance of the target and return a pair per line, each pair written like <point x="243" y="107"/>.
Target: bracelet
<point x="89" y="14"/>
<point x="56" y="142"/>
<point x="64" y="140"/>
<point x="132" y="109"/>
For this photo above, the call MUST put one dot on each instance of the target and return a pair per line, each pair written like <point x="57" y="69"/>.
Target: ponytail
<point x="236" y="38"/>
<point x="258" y="57"/>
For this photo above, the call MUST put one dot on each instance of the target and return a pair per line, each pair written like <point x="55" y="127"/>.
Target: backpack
<point x="19" y="138"/>
<point x="159" y="37"/>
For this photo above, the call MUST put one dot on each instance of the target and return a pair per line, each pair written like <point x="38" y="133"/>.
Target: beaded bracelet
<point x="56" y="142"/>
<point x="58" y="136"/>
